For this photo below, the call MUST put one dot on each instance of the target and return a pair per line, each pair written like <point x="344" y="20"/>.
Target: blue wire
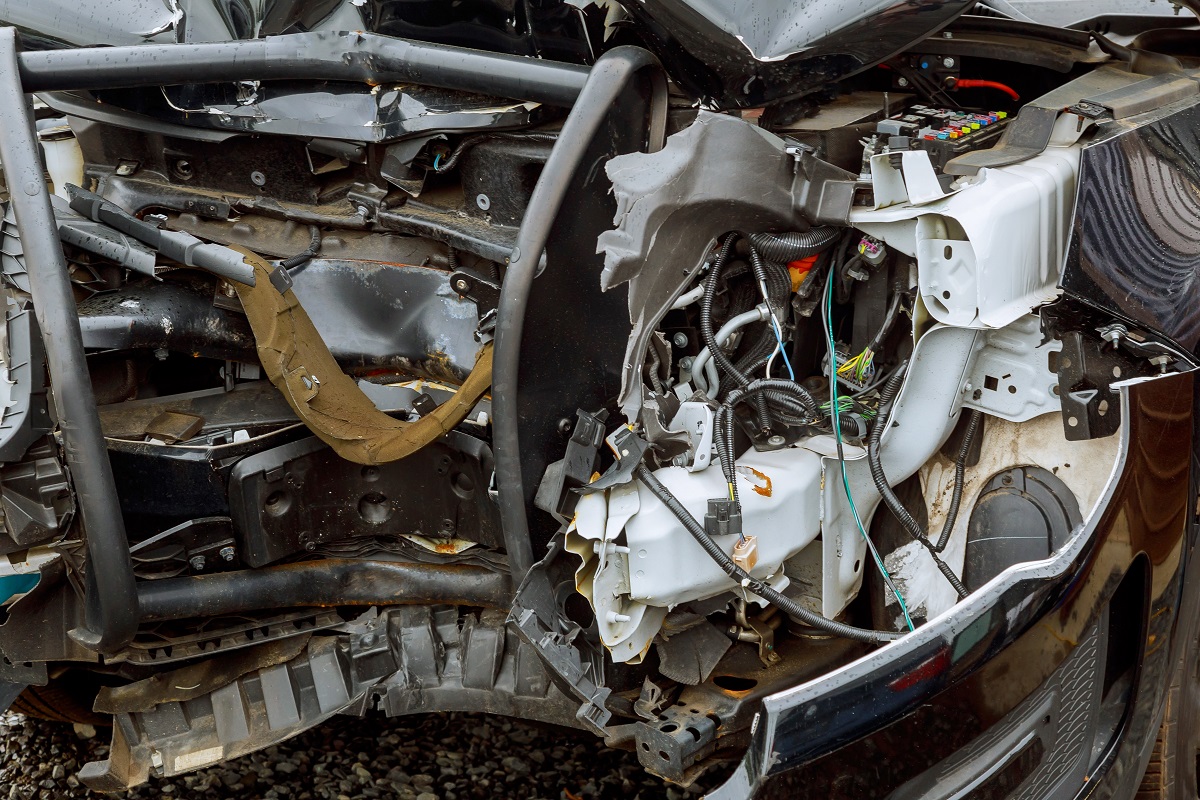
<point x="837" y="430"/>
<point x="436" y="160"/>
<point x="780" y="348"/>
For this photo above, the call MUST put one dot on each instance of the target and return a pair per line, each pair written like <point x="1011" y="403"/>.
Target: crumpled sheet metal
<point x="328" y="400"/>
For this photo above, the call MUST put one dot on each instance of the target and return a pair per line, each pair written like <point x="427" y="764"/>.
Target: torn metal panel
<point x="720" y="173"/>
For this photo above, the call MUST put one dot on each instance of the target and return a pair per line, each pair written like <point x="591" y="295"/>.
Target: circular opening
<point x="578" y="610"/>
<point x="1054" y="390"/>
<point x="277" y="503"/>
<point x="462" y="485"/>
<point x="374" y="508"/>
<point x="946" y="295"/>
<point x="646" y="747"/>
<point x="857" y="565"/>
<point x="670" y="727"/>
<point x="1012" y="389"/>
<point x="948" y="252"/>
<point x="734" y="683"/>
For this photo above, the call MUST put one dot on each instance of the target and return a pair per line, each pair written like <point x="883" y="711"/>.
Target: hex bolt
<point x="680" y="339"/>
<point x="226" y="553"/>
<point x="197" y="563"/>
<point x="685" y="364"/>
<point x="1162" y="362"/>
<point x="902" y="82"/>
<point x="776" y="440"/>
<point x="948" y="62"/>
<point x="258" y="179"/>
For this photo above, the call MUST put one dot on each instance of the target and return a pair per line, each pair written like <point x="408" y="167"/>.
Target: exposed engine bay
<point x="426" y="397"/>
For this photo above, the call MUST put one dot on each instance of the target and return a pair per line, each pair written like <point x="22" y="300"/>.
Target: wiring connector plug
<point x="723" y="518"/>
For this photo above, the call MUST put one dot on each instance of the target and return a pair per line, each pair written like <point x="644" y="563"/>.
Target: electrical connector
<point x="745" y="552"/>
<point x="723" y="518"/>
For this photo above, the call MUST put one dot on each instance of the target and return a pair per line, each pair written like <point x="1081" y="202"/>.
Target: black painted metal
<point x="356" y="57"/>
<point x="111" y="609"/>
<point x="323" y="582"/>
<point x="1135" y="245"/>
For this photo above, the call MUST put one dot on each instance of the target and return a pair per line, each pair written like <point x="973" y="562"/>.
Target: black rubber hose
<point x="608" y="78"/>
<point x="324" y="582"/>
<point x="110" y="603"/>
<point x="960" y="474"/>
<point x="450" y="161"/>
<point x="744" y="579"/>
<point x="887" y="398"/>
<point x="785" y="247"/>
<point x="299" y="261"/>
<point x="706" y="307"/>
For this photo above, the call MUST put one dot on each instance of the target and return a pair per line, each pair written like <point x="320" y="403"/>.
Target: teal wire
<point x="780" y="348"/>
<point x="837" y="430"/>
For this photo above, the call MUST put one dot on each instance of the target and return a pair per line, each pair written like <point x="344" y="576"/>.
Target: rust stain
<point x="759" y="481"/>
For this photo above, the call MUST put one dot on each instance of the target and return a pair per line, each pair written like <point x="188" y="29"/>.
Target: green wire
<point x="834" y="403"/>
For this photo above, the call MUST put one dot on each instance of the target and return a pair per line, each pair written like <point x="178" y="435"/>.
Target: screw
<point x="461" y="285"/>
<point x="680" y="339"/>
<point x="1161" y="362"/>
<point x="197" y="563"/>
<point x="1113" y="333"/>
<point x="776" y="440"/>
<point x="228" y="290"/>
<point x="258" y="179"/>
<point x="183" y="168"/>
<point x="902" y="82"/>
<point x="685" y="364"/>
<point x="226" y="553"/>
<point x="948" y="62"/>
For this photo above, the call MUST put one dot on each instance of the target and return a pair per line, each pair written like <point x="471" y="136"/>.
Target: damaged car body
<point x="769" y="390"/>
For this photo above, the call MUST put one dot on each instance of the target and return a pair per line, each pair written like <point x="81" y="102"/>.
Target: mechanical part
<point x="609" y="76"/>
<point x="300" y="365"/>
<point x="301" y="495"/>
<point x="353" y="57"/>
<point x="323" y="582"/>
<point x="1022" y="514"/>
<point x="111" y="595"/>
<point x="176" y="245"/>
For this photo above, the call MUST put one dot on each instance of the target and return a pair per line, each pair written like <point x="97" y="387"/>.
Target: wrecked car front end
<point x="787" y="397"/>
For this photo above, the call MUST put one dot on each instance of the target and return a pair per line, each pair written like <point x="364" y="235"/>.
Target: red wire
<point x="969" y="83"/>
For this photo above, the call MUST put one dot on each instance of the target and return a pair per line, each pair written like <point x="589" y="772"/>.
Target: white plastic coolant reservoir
<point x="780" y="492"/>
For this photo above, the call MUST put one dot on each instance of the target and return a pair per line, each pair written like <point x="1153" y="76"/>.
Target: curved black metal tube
<point x="357" y="57"/>
<point x="326" y="582"/>
<point x="110" y="616"/>
<point x="610" y="75"/>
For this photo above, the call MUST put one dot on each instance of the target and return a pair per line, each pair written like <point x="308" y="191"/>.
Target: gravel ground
<point x="429" y="757"/>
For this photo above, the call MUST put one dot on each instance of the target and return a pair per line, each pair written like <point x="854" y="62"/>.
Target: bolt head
<point x="948" y="62"/>
<point x="902" y="81"/>
<point x="680" y="339"/>
<point x="226" y="553"/>
<point x="461" y="285"/>
<point x="197" y="563"/>
<point x="776" y="440"/>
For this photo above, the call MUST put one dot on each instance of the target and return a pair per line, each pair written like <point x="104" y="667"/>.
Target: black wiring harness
<point x="907" y="520"/>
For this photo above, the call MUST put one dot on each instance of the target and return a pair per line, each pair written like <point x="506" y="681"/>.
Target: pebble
<point x="450" y="756"/>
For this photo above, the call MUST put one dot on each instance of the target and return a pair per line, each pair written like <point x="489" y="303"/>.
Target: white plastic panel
<point x="1015" y="221"/>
